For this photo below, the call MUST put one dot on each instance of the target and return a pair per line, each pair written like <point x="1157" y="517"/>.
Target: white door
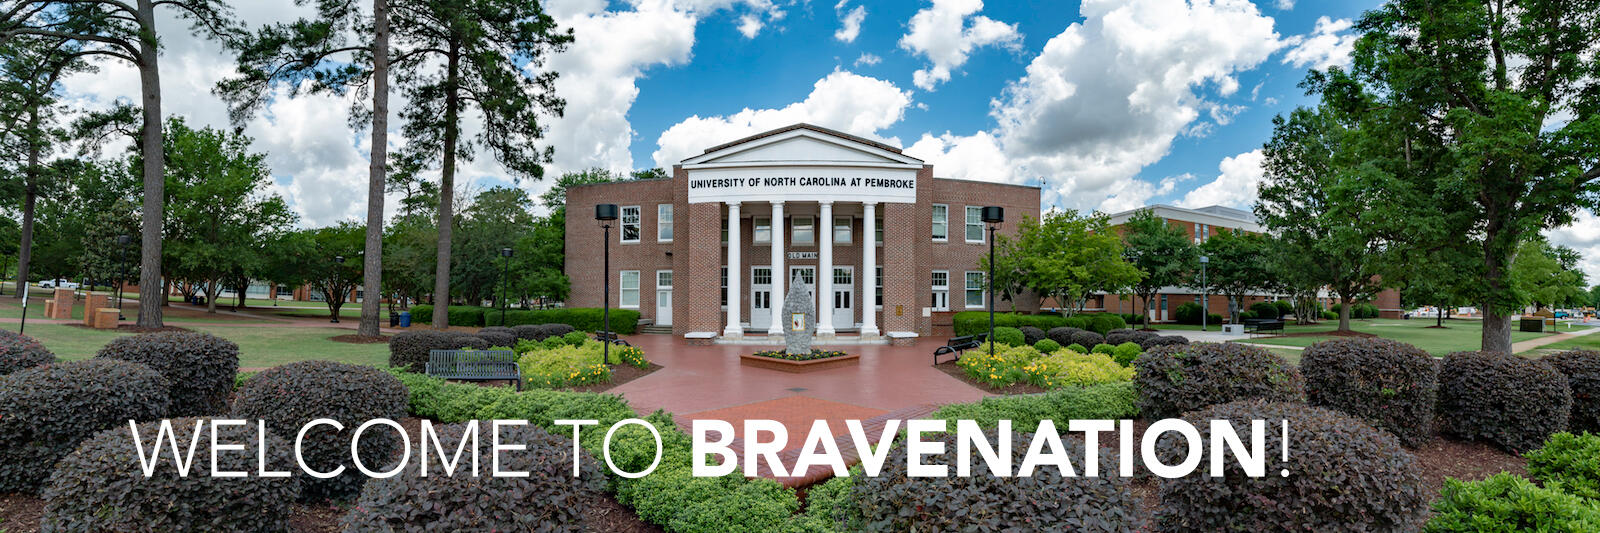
<point x="844" y="292"/>
<point x="807" y="274"/>
<point x="760" y="298"/>
<point x="664" y="298"/>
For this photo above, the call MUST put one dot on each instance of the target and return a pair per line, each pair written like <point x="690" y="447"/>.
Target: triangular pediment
<point x="801" y="145"/>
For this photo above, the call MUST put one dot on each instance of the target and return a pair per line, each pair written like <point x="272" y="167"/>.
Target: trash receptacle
<point x="394" y="321"/>
<point x="405" y="319"/>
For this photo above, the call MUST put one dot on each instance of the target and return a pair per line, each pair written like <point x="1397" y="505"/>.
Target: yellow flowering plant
<point x="565" y="365"/>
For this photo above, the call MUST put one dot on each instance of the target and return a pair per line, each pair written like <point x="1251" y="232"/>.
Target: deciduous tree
<point x="1164" y="254"/>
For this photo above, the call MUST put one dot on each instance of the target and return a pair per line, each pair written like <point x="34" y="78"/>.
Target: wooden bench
<point x="1263" y="326"/>
<point x="475" y="365"/>
<point x="956" y="345"/>
<point x="611" y="338"/>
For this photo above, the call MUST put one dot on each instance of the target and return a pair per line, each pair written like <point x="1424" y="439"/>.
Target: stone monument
<point x="800" y="316"/>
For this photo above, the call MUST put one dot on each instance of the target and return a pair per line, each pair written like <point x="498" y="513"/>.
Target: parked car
<point x="58" y="284"/>
<point x="1562" y="314"/>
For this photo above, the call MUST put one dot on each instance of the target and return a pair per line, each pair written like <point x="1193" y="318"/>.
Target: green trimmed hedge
<point x="1506" y="502"/>
<point x="975" y="322"/>
<point x="585" y="319"/>
<point x="460" y="315"/>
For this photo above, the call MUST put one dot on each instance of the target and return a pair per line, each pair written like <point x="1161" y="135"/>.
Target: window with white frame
<point x="974" y="289"/>
<point x="664" y="223"/>
<point x="878" y="287"/>
<point x="941" y="290"/>
<point x="724" y="287"/>
<point x="724" y="231"/>
<point x="630" y="223"/>
<point x="805" y="231"/>
<point x="762" y="232"/>
<point x="663" y="279"/>
<point x="841" y="230"/>
<point x="941" y="222"/>
<point x="628" y="298"/>
<point x="877" y="230"/>
<point x="974" y="223"/>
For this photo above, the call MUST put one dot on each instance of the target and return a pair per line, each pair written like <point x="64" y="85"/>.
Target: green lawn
<point x="130" y="309"/>
<point x="1457" y="335"/>
<point x="258" y="346"/>
<point x="1590" y="342"/>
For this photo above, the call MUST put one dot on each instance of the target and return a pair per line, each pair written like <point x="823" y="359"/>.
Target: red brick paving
<point x="796" y="413"/>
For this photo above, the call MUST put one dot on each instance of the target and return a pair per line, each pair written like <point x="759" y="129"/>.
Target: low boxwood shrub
<point x="623" y="321"/>
<point x="1162" y="340"/>
<point x="1103" y="323"/>
<point x="101" y="486"/>
<point x="411" y="348"/>
<point x="1570" y="460"/>
<point x="1511" y="402"/>
<point x="1330" y="315"/>
<point x="1031" y="335"/>
<point x="1177" y="379"/>
<point x="199" y="367"/>
<point x="1126" y="353"/>
<point x="550" y="498"/>
<point x="830" y="506"/>
<point x="1187" y="313"/>
<point x="1105" y="349"/>
<point x="1343" y="476"/>
<point x="1046" y="346"/>
<point x="975" y="322"/>
<point x="1009" y="336"/>
<point x="18" y="351"/>
<point x="1045" y="501"/>
<point x="1508" y="503"/>
<point x="1285" y="308"/>
<point x="1110" y="401"/>
<point x="289" y="396"/>
<point x="45" y="411"/>
<point x="459" y="315"/>
<point x="1582" y="368"/>
<point x="1267" y="310"/>
<point x="1388" y="384"/>
<point x="422" y="390"/>
<point x="753" y="505"/>
<point x="1075" y="347"/>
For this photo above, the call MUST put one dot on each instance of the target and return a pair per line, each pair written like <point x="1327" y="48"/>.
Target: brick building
<point x="1200" y="224"/>
<point x="787" y="203"/>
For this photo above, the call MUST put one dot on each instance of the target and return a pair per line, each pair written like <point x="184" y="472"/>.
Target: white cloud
<point x="1329" y="45"/>
<point x="844" y="101"/>
<point x="749" y="25"/>
<point x="1284" y="5"/>
<point x="1582" y="235"/>
<point x="868" y="59"/>
<point x="1107" y="97"/>
<point x="850" y="24"/>
<point x="1234" y="187"/>
<point x="941" y="33"/>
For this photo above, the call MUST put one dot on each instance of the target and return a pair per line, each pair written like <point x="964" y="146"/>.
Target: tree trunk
<point x="1344" y="313"/>
<point x="25" y="252"/>
<point x="150" y="296"/>
<point x="447" y="182"/>
<point x="1438" y="316"/>
<point x="376" y="171"/>
<point x="212" y="290"/>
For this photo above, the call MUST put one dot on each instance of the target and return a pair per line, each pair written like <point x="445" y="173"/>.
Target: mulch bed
<point x="1334" y="333"/>
<point x="358" y="339"/>
<point x="620" y="374"/>
<point x="130" y="328"/>
<point x="954" y="371"/>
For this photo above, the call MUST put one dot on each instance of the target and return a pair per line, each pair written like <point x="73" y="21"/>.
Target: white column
<point x="780" y="275"/>
<point x="869" y="271"/>
<point x="733" y="329"/>
<point x="824" y="228"/>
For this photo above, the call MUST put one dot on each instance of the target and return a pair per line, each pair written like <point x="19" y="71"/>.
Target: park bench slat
<point x="956" y="345"/>
<point x="475" y="365"/>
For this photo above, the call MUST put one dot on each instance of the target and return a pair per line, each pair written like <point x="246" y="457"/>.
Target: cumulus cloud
<point x="1328" y="45"/>
<point x="1234" y="187"/>
<point x="868" y="59"/>
<point x="1583" y="235"/>
<point x="1107" y="97"/>
<point x="844" y="101"/>
<point x="850" y="23"/>
<point x="947" y="32"/>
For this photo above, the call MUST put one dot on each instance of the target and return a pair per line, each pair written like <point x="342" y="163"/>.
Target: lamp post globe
<point x="992" y="216"/>
<point x="606" y="213"/>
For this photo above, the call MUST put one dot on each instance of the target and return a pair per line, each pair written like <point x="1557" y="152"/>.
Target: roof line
<point x="805" y="126"/>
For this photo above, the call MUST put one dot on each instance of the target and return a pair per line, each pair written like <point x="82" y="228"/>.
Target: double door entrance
<point x="764" y="305"/>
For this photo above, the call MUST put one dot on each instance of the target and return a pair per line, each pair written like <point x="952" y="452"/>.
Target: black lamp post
<point x="122" y="269"/>
<point x="993" y="216"/>
<point x="605" y="213"/>
<point x="1205" y="293"/>
<point x="505" y="253"/>
<point x="338" y="260"/>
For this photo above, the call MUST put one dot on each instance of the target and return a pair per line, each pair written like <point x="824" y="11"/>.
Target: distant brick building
<point x="1201" y="224"/>
<point x="790" y="203"/>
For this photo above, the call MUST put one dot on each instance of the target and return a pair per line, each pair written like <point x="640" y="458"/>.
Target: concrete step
<point x="655" y="330"/>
